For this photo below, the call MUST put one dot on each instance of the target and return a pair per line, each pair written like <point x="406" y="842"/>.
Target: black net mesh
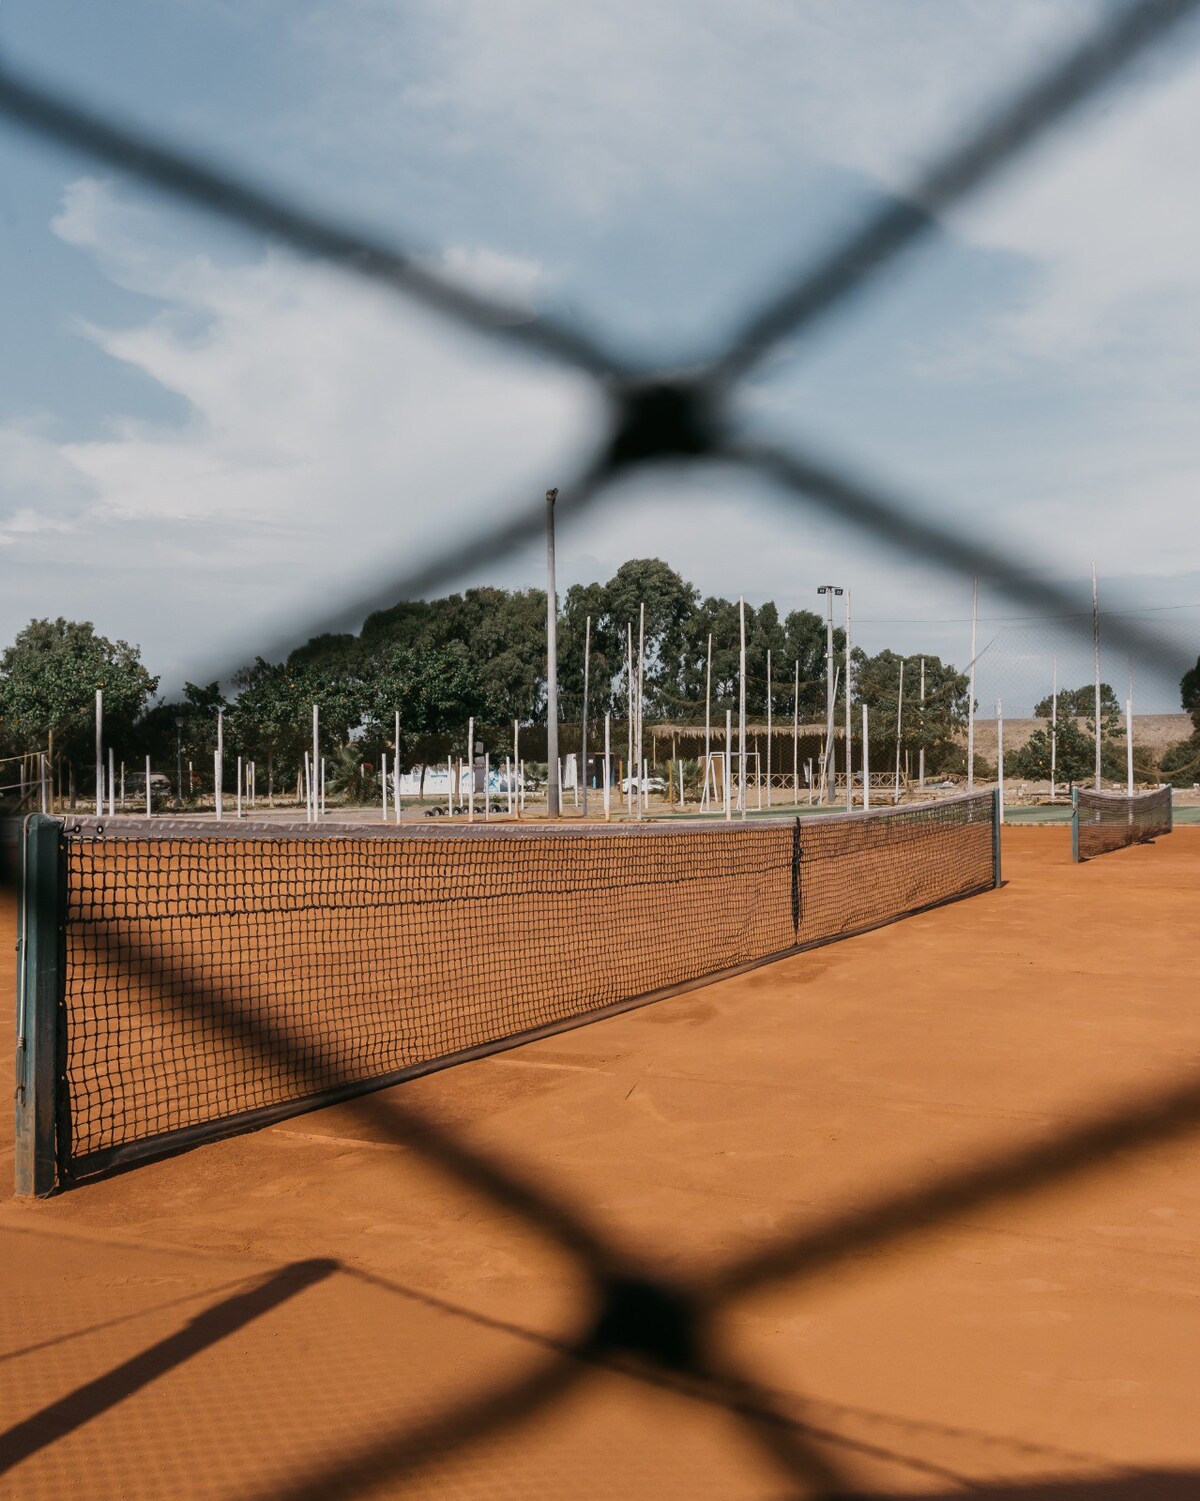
<point x="358" y="958"/>
<point x="1107" y="821"/>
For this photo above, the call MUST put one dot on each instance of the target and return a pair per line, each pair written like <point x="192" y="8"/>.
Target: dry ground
<point x="179" y="1332"/>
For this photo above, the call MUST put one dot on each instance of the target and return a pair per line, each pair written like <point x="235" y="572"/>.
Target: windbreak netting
<point x="1107" y="821"/>
<point x="214" y="975"/>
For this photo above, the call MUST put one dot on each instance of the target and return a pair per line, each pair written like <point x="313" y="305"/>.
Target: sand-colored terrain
<point x="348" y="1304"/>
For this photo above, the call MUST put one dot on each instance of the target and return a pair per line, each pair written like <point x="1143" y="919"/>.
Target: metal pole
<point x="239" y="786"/>
<point x="518" y="771"/>
<point x="1129" y="746"/>
<point x="796" y="737"/>
<point x="99" y="752"/>
<point x="396" y="769"/>
<point x="178" y="763"/>
<point x="1054" y="731"/>
<point x="1000" y="761"/>
<point x="899" y="730"/>
<point x="768" y="726"/>
<point x="708" y="715"/>
<point x="728" y="763"/>
<point x="383" y="782"/>
<point x="607" y="765"/>
<point x="587" y="666"/>
<point x="742" y="710"/>
<point x="866" y="764"/>
<point x="149" y="805"/>
<point x="316" y="762"/>
<point x="641" y="679"/>
<point x="971" y="691"/>
<point x="219" y="769"/>
<point x="553" y="791"/>
<point x="849" y="700"/>
<point x="630" y="684"/>
<point x="921" y="751"/>
<point x="112" y="785"/>
<point x="1096" y="651"/>
<point x="827" y="764"/>
<point x="471" y="769"/>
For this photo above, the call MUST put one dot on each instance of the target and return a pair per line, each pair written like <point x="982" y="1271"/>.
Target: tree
<point x="933" y="724"/>
<point x="1080" y="703"/>
<point x="1180" y="762"/>
<point x="434" y="692"/>
<point x="48" y="682"/>
<point x="1074" y="755"/>
<point x="670" y="603"/>
<point x="1189" y="693"/>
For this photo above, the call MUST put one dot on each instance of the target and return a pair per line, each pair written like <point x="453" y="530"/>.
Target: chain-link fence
<point x="659" y="1328"/>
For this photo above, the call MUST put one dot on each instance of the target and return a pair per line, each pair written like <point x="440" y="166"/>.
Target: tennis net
<point x="216" y="977"/>
<point x="1104" y="821"/>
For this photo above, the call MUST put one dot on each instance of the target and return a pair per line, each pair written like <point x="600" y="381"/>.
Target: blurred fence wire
<point x="664" y="1330"/>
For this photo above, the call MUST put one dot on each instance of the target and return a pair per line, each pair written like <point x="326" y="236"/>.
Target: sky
<point x="208" y="445"/>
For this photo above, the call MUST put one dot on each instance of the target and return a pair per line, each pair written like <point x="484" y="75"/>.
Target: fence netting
<point x="639" y="1320"/>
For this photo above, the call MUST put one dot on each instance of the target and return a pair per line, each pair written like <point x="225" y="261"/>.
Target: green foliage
<point x="1076" y="754"/>
<point x="1189" y="693"/>
<point x="932" y="723"/>
<point x="1180" y="763"/>
<point x="48" y="682"/>
<point x="349" y="777"/>
<point x="1080" y="703"/>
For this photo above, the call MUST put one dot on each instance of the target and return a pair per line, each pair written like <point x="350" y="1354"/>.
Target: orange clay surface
<point x="318" y="1311"/>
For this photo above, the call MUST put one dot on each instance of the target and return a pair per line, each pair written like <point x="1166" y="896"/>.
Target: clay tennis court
<point x="303" y="1311"/>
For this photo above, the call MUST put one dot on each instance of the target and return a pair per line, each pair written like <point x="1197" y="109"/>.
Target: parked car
<point x="651" y="783"/>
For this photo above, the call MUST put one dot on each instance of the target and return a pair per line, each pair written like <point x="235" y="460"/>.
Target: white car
<point x="651" y="783"/>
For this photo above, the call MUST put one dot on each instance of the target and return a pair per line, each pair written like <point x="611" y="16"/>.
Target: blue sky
<point x="206" y="443"/>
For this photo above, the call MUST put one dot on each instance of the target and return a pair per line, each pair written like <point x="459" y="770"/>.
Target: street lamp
<point x="553" y="794"/>
<point x="830" y="590"/>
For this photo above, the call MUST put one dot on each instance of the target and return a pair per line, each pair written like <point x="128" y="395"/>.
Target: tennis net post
<point x="40" y="965"/>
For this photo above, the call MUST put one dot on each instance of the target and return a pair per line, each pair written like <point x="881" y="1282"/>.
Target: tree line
<point x="479" y="654"/>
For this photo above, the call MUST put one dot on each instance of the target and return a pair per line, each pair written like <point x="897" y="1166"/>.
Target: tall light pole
<point x="553" y="792"/>
<point x="830" y="590"/>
